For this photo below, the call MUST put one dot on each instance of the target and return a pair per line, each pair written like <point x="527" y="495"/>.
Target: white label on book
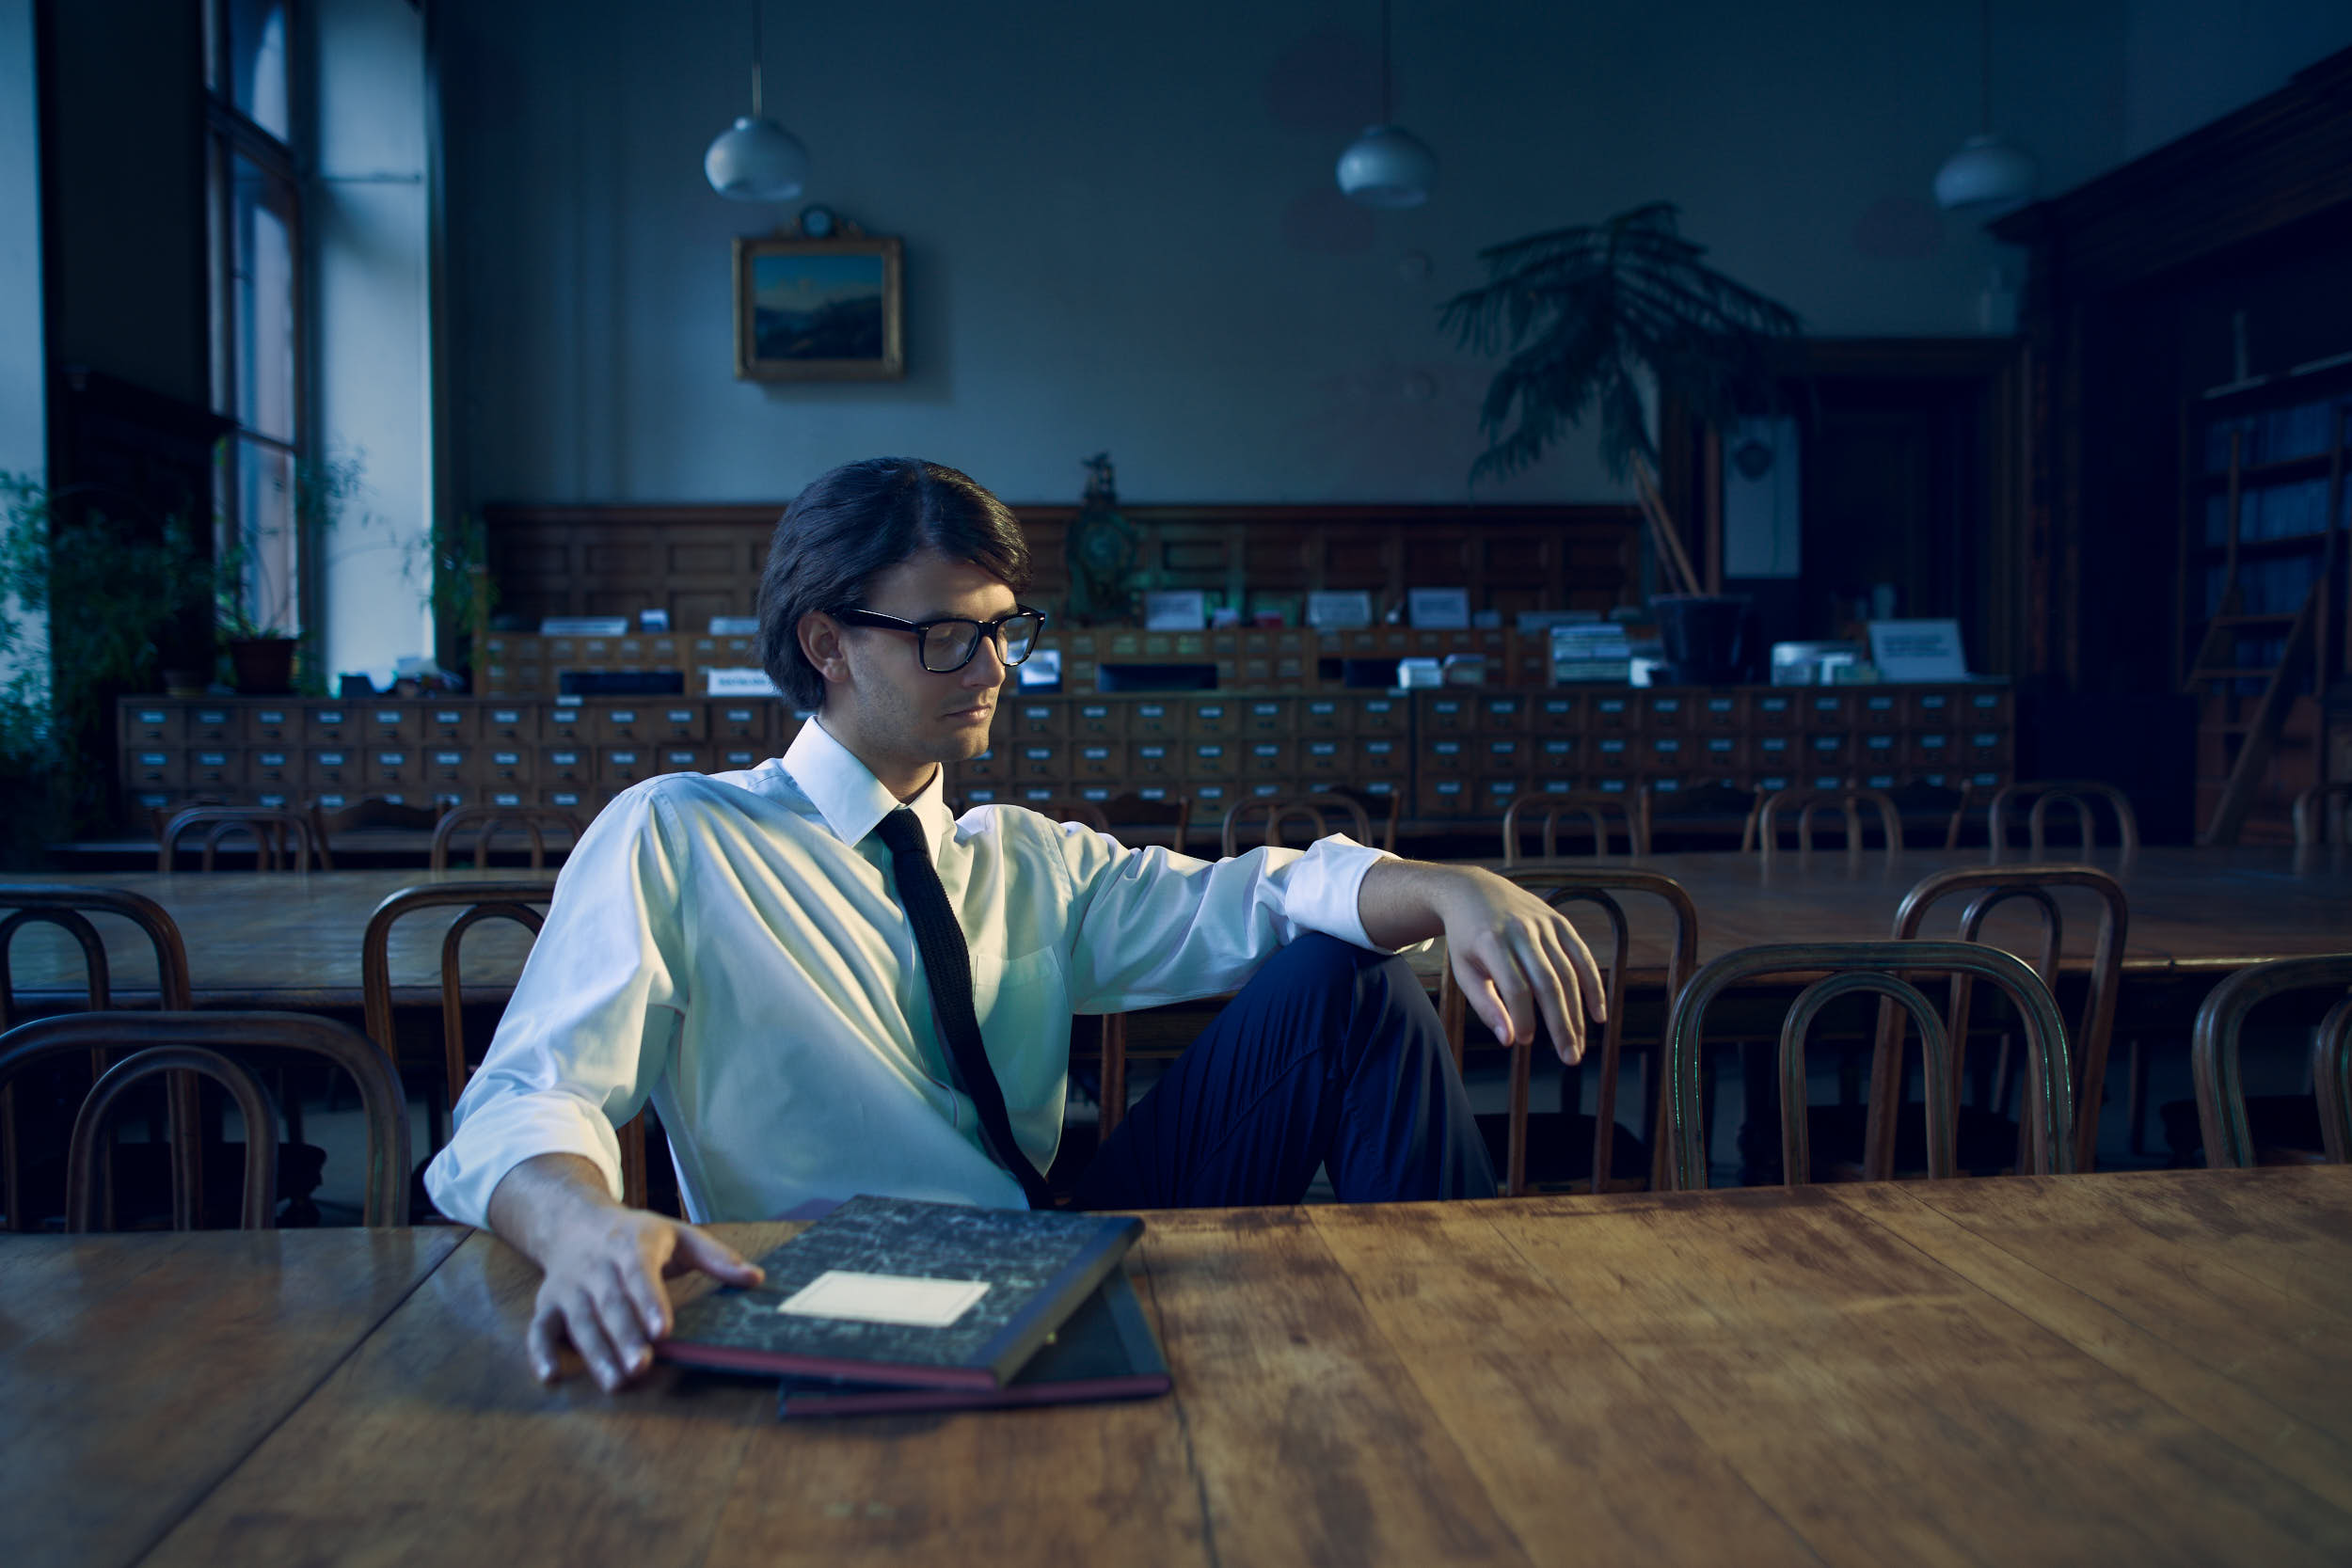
<point x="884" y="1298"/>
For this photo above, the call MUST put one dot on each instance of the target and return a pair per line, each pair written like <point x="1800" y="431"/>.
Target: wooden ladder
<point x="2216" y="652"/>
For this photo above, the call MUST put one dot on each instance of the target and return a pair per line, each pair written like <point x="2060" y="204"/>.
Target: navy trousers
<point x="1331" y="1055"/>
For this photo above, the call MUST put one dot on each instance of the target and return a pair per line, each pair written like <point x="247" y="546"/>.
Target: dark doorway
<point x="1894" y="498"/>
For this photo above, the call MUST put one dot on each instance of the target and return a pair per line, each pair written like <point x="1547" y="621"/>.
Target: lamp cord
<point x="1984" y="75"/>
<point x="755" y="42"/>
<point x="1386" y="30"/>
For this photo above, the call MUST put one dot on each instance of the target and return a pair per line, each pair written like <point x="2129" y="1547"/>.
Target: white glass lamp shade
<point x="1987" y="174"/>
<point x="756" y="160"/>
<point x="1388" y="167"/>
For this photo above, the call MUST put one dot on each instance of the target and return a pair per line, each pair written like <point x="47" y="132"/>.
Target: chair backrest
<point x="259" y="1206"/>
<point x="2214" y="1053"/>
<point x="1323" y="813"/>
<point x="2047" y="794"/>
<point x="480" y="901"/>
<point x="1848" y="803"/>
<point x="1559" y="886"/>
<point x="1877" y="966"/>
<point x="1581" y="813"/>
<point x="277" y="836"/>
<point x="381" y="1100"/>
<point x="487" y="822"/>
<point x="1993" y="887"/>
<point x="2324" y="812"/>
<point x="69" y="907"/>
<point x="2332" y="1081"/>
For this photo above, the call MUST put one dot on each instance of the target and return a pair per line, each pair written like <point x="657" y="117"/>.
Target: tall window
<point x="258" y="355"/>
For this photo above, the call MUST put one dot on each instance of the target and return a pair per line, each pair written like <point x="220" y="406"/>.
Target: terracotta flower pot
<point x="264" y="665"/>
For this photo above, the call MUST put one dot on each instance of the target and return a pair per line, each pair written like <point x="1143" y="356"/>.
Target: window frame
<point x="230" y="133"/>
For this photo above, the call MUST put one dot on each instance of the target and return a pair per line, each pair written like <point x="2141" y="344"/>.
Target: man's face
<point x="902" y="719"/>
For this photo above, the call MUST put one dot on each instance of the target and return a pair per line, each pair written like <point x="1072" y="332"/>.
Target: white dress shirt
<point x="731" y="948"/>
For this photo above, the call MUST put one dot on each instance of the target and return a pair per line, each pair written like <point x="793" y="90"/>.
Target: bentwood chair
<point x="69" y="908"/>
<point x="1881" y="966"/>
<point x="487" y="822"/>
<point x="2232" y="1137"/>
<point x="1848" y="804"/>
<point x="1578" y="811"/>
<point x="279" y="837"/>
<point x="477" y="902"/>
<point x="1587" y="1152"/>
<point x="2323" y="815"/>
<point x="2046" y="794"/>
<point x="1988" y="1139"/>
<point x="1323" y="813"/>
<point x="381" y="1100"/>
<point x="257" y="1207"/>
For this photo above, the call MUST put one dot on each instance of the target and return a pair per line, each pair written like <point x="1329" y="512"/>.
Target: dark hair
<point x="857" y="521"/>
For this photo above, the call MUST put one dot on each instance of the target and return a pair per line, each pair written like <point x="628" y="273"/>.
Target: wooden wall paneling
<point x="702" y="561"/>
<point x="2114" y="263"/>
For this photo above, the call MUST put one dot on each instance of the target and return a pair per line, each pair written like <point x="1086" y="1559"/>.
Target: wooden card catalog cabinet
<point x="1450" y="755"/>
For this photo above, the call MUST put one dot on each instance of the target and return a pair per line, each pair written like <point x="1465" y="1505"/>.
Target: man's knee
<point x="1377" y="994"/>
<point x="1316" y="962"/>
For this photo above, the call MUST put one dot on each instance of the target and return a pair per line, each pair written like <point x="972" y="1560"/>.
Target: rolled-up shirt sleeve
<point x="1150" y="927"/>
<point x="594" y="1012"/>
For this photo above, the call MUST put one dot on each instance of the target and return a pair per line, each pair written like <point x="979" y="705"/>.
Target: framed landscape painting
<point x="818" y="310"/>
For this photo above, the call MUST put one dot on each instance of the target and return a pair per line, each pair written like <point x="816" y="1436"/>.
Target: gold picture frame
<point x="823" y="310"/>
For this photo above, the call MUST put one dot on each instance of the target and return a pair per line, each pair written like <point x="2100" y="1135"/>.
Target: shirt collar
<point x="847" y="796"/>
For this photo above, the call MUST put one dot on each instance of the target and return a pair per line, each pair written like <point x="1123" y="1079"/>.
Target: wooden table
<point x="2193" y="911"/>
<point x="2152" y="1367"/>
<point x="283" y="939"/>
<point x="286" y="940"/>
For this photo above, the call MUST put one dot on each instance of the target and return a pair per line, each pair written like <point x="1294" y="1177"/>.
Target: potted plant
<point x="461" y="595"/>
<point x="1585" y="314"/>
<point x="99" y="596"/>
<point x="257" y="600"/>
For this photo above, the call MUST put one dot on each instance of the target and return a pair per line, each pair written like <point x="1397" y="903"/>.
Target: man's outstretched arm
<point x="1516" y="958"/>
<point x="604" y="1264"/>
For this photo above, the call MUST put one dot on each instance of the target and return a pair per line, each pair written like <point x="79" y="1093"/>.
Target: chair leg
<point x="2135" y="1094"/>
<point x="633" y="1162"/>
<point x="1113" y="1109"/>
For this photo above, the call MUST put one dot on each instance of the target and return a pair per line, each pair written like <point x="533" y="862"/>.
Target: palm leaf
<point x="1580" y="311"/>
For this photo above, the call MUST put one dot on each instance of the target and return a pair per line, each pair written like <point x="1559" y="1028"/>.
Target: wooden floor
<point x="2146" y="1369"/>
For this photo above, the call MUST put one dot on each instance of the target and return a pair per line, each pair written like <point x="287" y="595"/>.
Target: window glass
<point x="263" y="550"/>
<point x="261" y="307"/>
<point x="257" y="62"/>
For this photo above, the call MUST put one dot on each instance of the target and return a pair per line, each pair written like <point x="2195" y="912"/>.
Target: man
<point x="828" y="985"/>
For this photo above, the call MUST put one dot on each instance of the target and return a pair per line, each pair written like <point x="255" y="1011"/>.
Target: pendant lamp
<point x="1990" y="174"/>
<point x="1387" y="166"/>
<point x="756" y="159"/>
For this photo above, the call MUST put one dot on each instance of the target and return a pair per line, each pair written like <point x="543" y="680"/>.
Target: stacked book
<point x="1590" y="651"/>
<point x="889" y="1305"/>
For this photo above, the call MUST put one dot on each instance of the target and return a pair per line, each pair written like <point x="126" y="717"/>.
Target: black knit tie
<point x="947" y="967"/>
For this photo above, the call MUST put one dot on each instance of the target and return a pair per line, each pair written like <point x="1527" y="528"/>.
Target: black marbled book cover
<point x="1107" y="1350"/>
<point x="1039" y="1267"/>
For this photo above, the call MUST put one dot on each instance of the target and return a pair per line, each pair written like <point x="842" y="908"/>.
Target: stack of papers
<point x="1590" y="651"/>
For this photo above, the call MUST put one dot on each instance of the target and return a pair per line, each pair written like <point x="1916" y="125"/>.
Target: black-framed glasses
<point x="945" y="645"/>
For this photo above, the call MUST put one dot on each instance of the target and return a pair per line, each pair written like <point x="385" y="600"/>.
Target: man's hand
<point x="1516" y="958"/>
<point x="604" y="1265"/>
